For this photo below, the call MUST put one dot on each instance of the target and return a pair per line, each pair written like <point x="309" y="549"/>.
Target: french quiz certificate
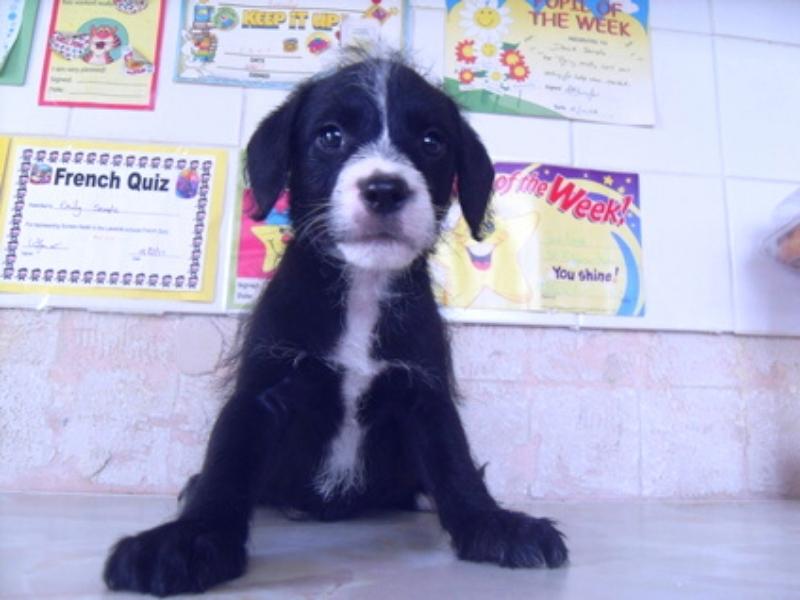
<point x="100" y="219"/>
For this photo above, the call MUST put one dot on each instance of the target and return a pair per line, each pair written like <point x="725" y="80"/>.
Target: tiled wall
<point x="124" y="403"/>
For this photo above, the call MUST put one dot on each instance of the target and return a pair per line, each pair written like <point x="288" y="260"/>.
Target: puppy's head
<point x="370" y="154"/>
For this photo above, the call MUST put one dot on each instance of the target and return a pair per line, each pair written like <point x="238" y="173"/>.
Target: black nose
<point x="384" y="193"/>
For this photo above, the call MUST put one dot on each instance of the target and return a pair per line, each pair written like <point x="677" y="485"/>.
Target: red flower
<point x="466" y="76"/>
<point x="465" y="51"/>
<point x="519" y="72"/>
<point x="512" y="58"/>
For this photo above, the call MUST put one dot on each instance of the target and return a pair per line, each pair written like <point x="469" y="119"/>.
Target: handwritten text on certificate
<point x="575" y="59"/>
<point x="119" y="220"/>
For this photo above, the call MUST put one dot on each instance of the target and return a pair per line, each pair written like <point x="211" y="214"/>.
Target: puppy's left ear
<point x="475" y="177"/>
<point x="268" y="156"/>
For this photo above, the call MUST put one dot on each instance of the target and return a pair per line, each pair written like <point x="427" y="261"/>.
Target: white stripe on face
<point x="369" y="240"/>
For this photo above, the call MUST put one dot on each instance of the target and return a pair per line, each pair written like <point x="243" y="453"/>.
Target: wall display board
<point x="264" y="44"/>
<point x="574" y="59"/>
<point x="103" y="54"/>
<point x="17" y="21"/>
<point x="93" y="219"/>
<point x="562" y="239"/>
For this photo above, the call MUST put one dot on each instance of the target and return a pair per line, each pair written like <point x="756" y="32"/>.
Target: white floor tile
<point x="54" y="546"/>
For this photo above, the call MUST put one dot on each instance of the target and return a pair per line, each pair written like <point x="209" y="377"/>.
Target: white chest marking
<point x="343" y="467"/>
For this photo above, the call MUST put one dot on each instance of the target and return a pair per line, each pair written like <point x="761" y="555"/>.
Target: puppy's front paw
<point x="174" y="558"/>
<point x="510" y="539"/>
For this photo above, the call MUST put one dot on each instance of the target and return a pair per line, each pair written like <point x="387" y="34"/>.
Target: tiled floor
<point x="53" y="547"/>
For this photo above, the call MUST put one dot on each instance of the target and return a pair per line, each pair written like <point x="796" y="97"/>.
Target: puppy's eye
<point x="433" y="144"/>
<point x="330" y="137"/>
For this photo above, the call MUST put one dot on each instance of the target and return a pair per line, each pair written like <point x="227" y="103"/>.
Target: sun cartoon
<point x="485" y="20"/>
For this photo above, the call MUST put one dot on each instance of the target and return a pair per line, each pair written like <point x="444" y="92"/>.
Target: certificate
<point x="17" y="21"/>
<point x="103" y="54"/>
<point x="257" y="248"/>
<point x="573" y="59"/>
<point x="277" y="44"/>
<point x="98" y="219"/>
<point x="562" y="239"/>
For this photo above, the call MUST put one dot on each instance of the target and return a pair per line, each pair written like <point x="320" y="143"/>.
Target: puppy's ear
<point x="475" y="174"/>
<point x="268" y="156"/>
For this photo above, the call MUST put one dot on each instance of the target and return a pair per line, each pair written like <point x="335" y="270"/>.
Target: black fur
<point x="272" y="434"/>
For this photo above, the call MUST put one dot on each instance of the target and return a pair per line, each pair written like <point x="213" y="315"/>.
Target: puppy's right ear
<point x="268" y="156"/>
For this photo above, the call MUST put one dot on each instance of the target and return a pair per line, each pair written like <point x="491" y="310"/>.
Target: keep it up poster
<point x="562" y="239"/>
<point x="267" y="44"/>
<point x="103" y="54"/>
<point x="574" y="59"/>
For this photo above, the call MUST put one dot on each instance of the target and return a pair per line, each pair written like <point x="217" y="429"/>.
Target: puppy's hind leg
<point x="481" y="531"/>
<point x="205" y="545"/>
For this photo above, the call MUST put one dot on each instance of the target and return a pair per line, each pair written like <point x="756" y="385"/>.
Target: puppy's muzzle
<point x="384" y="194"/>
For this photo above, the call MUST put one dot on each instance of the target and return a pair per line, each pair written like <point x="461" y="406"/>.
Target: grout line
<point x="763" y="179"/>
<point x="726" y="36"/>
<point x="732" y="298"/>
<point x="243" y="108"/>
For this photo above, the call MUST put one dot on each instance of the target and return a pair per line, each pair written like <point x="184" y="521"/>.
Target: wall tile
<point x="586" y="443"/>
<point x="495" y="417"/>
<point x="764" y="292"/>
<point x="681" y="15"/>
<point x="758" y="109"/>
<point x="684" y="138"/>
<point x="687" y="277"/>
<point x="773" y="20"/>
<point x="706" y="360"/>
<point x="20" y="112"/>
<point x="773" y="449"/>
<point x="693" y="443"/>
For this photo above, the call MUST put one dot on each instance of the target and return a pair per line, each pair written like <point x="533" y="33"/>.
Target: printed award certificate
<point x="103" y="54"/>
<point x="277" y="44"/>
<point x="562" y="239"/>
<point x="574" y="59"/>
<point x="98" y="219"/>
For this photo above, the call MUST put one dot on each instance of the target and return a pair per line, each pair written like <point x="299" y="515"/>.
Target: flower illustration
<point x="465" y="51"/>
<point x="466" y="76"/>
<point x="512" y="58"/>
<point x="488" y="49"/>
<point x="485" y="20"/>
<point x="519" y="72"/>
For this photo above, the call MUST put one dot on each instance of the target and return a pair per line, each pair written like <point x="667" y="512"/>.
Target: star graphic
<point x="608" y="180"/>
<point x="627" y="180"/>
<point x="621" y="189"/>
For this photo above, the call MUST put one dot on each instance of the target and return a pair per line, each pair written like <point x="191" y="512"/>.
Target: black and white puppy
<point x="344" y="399"/>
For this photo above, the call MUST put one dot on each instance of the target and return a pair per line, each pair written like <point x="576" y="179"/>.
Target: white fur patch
<point x="413" y="226"/>
<point x="343" y="468"/>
